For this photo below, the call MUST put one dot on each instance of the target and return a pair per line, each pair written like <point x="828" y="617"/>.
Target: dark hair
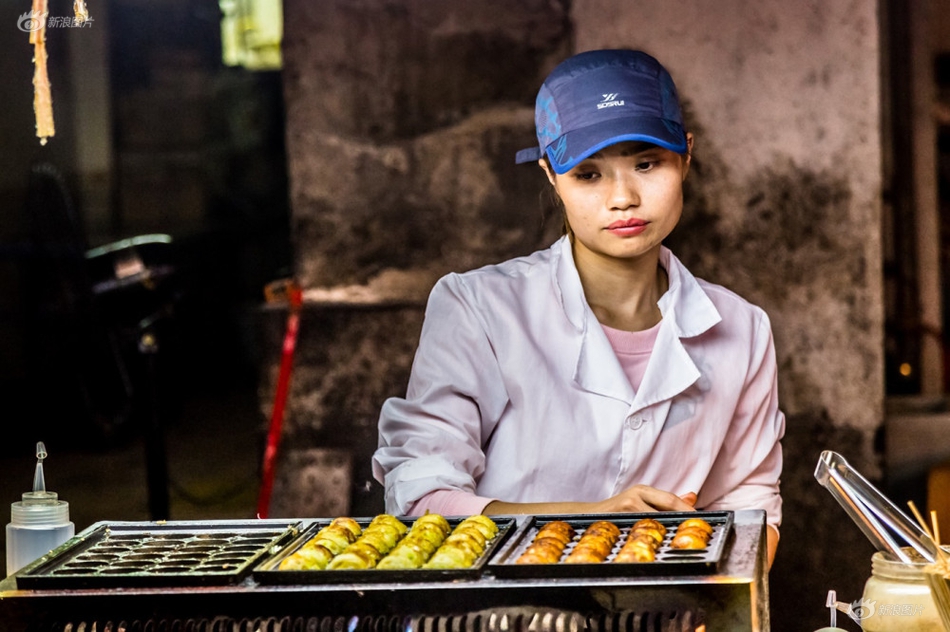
<point x="550" y="199"/>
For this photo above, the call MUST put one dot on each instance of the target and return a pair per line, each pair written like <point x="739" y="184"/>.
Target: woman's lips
<point x="628" y="227"/>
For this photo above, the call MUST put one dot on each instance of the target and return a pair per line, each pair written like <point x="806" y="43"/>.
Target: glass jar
<point x="897" y="597"/>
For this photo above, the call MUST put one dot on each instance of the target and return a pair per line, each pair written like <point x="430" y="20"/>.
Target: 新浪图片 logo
<point x="35" y="20"/>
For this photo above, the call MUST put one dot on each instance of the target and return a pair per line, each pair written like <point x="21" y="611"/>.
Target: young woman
<point x="597" y="375"/>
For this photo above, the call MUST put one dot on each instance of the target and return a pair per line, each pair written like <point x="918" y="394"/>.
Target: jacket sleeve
<point x="746" y="472"/>
<point x="432" y="439"/>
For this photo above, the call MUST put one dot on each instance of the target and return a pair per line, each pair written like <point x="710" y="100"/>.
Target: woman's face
<point x="624" y="200"/>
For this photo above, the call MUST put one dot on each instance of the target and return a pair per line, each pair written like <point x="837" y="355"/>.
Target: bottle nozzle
<point x="39" y="480"/>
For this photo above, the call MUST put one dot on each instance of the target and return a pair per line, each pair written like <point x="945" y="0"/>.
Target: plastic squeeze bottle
<point x="39" y="523"/>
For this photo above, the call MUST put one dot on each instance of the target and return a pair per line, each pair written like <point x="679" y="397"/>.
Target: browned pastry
<point x="550" y="534"/>
<point x="692" y="533"/>
<point x="603" y="526"/>
<point x="641" y="539"/>
<point x="558" y="529"/>
<point x="583" y="556"/>
<point x="536" y="556"/>
<point x="688" y="540"/>
<point x="697" y="523"/>
<point x="596" y="543"/>
<point x="543" y="550"/>
<point x="649" y="522"/>
<point x="551" y="546"/>
<point x="601" y="545"/>
<point x="637" y="549"/>
<point x="642" y="543"/>
<point x="529" y="558"/>
<point x="651" y="532"/>
<point x="548" y="544"/>
<point x="635" y="555"/>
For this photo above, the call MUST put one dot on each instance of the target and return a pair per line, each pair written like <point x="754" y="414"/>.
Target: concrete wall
<point x="784" y="208"/>
<point x="403" y="117"/>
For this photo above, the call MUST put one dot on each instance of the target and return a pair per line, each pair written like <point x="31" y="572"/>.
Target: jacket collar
<point x="687" y="312"/>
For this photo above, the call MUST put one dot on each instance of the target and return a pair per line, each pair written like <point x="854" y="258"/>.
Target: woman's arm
<point x="771" y="534"/>
<point x="432" y="439"/>
<point x="638" y="498"/>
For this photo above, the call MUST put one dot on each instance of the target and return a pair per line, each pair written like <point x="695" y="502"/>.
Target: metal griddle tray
<point x="668" y="561"/>
<point x="158" y="554"/>
<point x="268" y="571"/>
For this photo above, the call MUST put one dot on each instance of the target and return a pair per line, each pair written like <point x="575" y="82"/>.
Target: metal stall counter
<point x="221" y="575"/>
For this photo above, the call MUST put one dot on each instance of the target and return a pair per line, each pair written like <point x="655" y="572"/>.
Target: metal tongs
<point x="871" y="510"/>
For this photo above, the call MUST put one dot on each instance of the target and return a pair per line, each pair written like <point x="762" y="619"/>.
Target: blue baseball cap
<point x="601" y="97"/>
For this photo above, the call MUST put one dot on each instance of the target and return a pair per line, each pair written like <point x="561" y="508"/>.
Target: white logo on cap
<point x="609" y="101"/>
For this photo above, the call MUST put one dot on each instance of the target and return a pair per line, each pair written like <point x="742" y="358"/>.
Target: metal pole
<point x="156" y="464"/>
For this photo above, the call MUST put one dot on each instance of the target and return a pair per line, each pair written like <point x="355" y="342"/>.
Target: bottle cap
<point x="39" y="507"/>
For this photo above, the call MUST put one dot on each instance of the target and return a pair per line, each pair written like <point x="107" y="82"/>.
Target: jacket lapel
<point x="687" y="312"/>
<point x="596" y="368"/>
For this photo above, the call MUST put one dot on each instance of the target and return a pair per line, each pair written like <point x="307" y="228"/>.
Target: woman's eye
<point x="586" y="175"/>
<point x="645" y="165"/>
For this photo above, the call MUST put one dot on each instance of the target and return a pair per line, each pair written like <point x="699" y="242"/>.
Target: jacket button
<point x="635" y="423"/>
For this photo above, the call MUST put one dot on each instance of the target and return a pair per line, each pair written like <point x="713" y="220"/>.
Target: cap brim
<point x="577" y="145"/>
<point x="531" y="154"/>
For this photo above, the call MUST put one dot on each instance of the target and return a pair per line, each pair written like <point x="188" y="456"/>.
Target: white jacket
<point x="517" y="395"/>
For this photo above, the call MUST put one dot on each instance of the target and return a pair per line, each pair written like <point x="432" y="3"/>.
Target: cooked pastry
<point x="484" y="524"/>
<point x="638" y="549"/>
<point x="449" y="557"/>
<point x="595" y="545"/>
<point x="308" y="557"/>
<point x="436" y="520"/>
<point x="651" y="532"/>
<point x="692" y="533"/>
<point x="351" y="560"/>
<point x="558" y="529"/>
<point x="584" y="556"/>
<point x="649" y="522"/>
<point x="697" y="523"/>
<point x="465" y="544"/>
<point x="378" y="539"/>
<point x="689" y="540"/>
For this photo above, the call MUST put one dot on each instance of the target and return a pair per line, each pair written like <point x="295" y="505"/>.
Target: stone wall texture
<point x="784" y="207"/>
<point x="402" y="120"/>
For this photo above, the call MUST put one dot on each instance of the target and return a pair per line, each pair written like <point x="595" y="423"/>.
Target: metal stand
<point x="156" y="462"/>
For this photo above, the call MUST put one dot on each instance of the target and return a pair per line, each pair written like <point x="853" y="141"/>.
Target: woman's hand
<point x="641" y="498"/>
<point x="634" y="499"/>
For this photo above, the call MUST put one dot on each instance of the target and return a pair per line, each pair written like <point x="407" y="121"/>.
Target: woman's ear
<point x="689" y="154"/>
<point x="547" y="170"/>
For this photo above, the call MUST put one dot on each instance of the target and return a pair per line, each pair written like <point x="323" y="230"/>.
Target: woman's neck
<point x="623" y="293"/>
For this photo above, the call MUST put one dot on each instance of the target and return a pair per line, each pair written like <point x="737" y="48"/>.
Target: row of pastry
<point x="387" y="543"/>
<point x="599" y="539"/>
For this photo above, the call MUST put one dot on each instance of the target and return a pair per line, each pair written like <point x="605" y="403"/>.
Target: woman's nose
<point x="624" y="193"/>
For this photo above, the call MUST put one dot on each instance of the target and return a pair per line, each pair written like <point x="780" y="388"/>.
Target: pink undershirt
<point x="633" y="349"/>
